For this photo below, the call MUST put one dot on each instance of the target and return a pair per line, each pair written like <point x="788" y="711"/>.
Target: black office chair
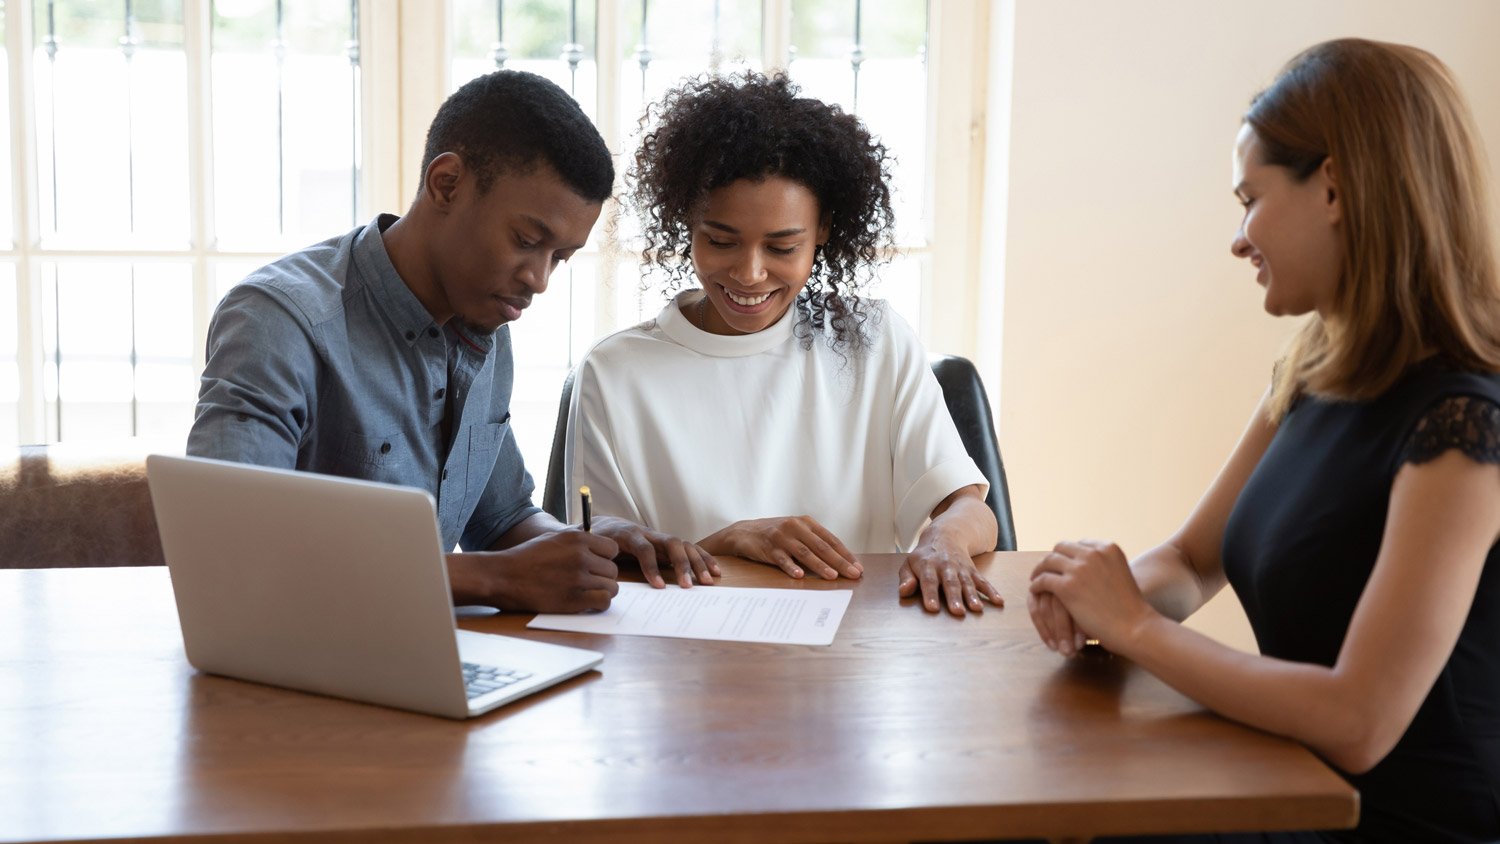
<point x="967" y="402"/>
<point x="969" y="405"/>
<point x="555" y="489"/>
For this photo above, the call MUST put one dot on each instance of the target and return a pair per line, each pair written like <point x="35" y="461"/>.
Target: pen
<point x="583" y="497"/>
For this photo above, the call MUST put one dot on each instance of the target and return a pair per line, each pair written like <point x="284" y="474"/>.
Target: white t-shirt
<point x="687" y="432"/>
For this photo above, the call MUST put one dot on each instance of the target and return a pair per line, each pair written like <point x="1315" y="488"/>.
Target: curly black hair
<point x="510" y="120"/>
<point x="712" y="131"/>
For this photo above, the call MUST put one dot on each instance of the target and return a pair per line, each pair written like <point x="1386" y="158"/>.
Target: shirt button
<point x="432" y="332"/>
<point x="411" y="335"/>
<point x="385" y="448"/>
<point x="441" y="391"/>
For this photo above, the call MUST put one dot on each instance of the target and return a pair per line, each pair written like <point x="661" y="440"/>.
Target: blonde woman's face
<point x="1290" y="231"/>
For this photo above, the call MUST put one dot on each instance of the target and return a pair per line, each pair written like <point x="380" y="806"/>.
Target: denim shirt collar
<point x="405" y="311"/>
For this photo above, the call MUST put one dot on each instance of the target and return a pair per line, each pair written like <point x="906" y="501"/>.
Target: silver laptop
<point x="332" y="586"/>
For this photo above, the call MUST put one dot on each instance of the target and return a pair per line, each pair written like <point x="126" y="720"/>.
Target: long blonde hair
<point x="1419" y="273"/>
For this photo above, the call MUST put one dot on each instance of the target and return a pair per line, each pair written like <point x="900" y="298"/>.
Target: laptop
<point x="332" y="586"/>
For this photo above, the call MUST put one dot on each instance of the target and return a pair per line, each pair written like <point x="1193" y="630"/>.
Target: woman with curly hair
<point x="769" y="408"/>
<point x="1358" y="519"/>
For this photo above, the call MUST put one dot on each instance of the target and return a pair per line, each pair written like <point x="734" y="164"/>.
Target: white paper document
<point x="780" y="616"/>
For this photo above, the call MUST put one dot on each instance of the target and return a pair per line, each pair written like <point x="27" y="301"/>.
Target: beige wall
<point x="1134" y="346"/>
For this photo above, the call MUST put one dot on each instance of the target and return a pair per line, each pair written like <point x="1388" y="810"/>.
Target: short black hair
<point x="712" y="131"/>
<point x="510" y="120"/>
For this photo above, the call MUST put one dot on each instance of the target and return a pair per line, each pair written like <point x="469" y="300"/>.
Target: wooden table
<point x="909" y="727"/>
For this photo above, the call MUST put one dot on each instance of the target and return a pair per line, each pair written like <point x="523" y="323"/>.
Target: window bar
<point x="278" y="47"/>
<point x="715" y="46"/>
<point x="351" y="47"/>
<point x="499" y="53"/>
<point x="642" y="54"/>
<point x="857" y="53"/>
<point x="128" y="43"/>
<point x="50" y="45"/>
<point x="572" y="52"/>
<point x="57" y="344"/>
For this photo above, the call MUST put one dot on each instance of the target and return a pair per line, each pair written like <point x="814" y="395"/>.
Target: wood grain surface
<point x="911" y="726"/>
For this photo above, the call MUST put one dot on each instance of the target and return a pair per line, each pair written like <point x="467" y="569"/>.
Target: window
<point x="838" y="49"/>
<point x="162" y="148"/>
<point x="158" y="150"/>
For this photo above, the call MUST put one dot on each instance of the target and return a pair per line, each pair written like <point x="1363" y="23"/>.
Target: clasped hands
<point x="1085" y="590"/>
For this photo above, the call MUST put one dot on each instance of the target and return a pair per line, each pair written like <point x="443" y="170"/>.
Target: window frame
<point x="404" y="75"/>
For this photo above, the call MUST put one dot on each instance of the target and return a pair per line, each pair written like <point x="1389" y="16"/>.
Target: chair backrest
<point x="969" y="405"/>
<point x="967" y="402"/>
<point x="555" y="489"/>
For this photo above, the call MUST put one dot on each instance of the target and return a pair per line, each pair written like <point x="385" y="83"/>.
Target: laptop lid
<point x="312" y="582"/>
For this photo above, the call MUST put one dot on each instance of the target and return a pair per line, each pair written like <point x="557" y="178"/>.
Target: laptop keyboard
<point x="483" y="679"/>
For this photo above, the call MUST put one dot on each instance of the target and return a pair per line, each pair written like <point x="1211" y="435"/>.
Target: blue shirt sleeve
<point x="255" y="398"/>
<point x="507" y="495"/>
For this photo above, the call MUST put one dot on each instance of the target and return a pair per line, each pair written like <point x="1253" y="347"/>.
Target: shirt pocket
<point x="484" y="448"/>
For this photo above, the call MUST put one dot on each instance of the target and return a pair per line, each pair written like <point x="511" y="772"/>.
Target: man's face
<point x="496" y="250"/>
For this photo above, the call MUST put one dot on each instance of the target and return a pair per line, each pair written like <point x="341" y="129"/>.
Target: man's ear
<point x="1332" y="196"/>
<point x="442" y="179"/>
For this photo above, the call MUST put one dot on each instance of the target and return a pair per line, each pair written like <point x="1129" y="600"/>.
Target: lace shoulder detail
<point x="1467" y="423"/>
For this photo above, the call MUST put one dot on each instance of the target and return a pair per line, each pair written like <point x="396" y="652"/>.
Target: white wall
<point x="1134" y="347"/>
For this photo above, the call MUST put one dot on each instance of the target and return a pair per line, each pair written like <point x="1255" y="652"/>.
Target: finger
<point x="1041" y="618"/>
<point x="1062" y="627"/>
<point x="597" y="599"/>
<point x="697" y="562"/>
<point x="645" y="555"/>
<point x="600" y="544"/>
<point x="906" y="581"/>
<point x="1055" y="561"/>
<point x="604" y="568"/>
<point x="953" y="590"/>
<point x="848" y="563"/>
<point x="678" y="558"/>
<point x="928" y="580"/>
<point x="811" y="560"/>
<point x="782" y="560"/>
<point x="987" y="590"/>
<point x="709" y="560"/>
<point x="971" y="595"/>
<point x="1049" y="582"/>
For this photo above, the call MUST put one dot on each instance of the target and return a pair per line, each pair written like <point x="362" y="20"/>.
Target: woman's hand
<point x="654" y="550"/>
<point x="1086" y="586"/>
<point x="943" y="569"/>
<point x="793" y="544"/>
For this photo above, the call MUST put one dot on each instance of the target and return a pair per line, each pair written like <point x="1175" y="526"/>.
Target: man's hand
<point x="791" y="543"/>
<point x="563" y="571"/>
<point x="653" y="549"/>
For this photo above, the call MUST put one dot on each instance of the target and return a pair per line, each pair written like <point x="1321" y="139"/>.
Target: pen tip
<point x="583" y="490"/>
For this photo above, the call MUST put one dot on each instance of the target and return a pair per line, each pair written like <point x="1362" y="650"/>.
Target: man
<point x="384" y="354"/>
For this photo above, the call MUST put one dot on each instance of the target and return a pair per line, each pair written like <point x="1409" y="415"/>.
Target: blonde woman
<point x="1358" y="516"/>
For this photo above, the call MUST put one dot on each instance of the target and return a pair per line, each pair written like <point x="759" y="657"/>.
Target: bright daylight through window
<point x="157" y="150"/>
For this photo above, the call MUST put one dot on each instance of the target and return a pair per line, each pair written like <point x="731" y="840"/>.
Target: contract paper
<point x="779" y="616"/>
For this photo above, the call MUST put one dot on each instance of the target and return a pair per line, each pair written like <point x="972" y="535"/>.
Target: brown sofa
<point x="77" y="505"/>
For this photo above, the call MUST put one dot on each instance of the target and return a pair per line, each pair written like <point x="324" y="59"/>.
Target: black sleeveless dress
<point x="1299" y="548"/>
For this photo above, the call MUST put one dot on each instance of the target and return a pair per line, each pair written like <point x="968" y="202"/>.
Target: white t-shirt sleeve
<point x="590" y="456"/>
<point x="929" y="461"/>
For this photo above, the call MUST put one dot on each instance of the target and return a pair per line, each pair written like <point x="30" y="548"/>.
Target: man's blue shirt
<point x="325" y="361"/>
